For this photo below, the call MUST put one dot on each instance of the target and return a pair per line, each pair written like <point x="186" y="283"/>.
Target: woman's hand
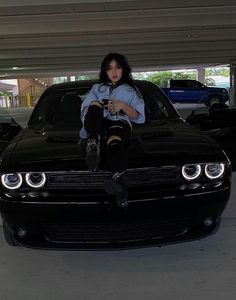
<point x="115" y="106"/>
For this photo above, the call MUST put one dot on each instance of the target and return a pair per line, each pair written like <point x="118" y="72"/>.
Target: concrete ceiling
<point x="61" y="37"/>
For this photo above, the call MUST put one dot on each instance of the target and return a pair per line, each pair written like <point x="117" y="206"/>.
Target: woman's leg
<point x="93" y="125"/>
<point x="118" y="134"/>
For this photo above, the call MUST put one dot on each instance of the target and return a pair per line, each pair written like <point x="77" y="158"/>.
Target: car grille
<point x="113" y="233"/>
<point x="84" y="179"/>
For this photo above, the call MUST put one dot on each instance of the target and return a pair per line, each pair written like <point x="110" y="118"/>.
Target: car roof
<point x="87" y="83"/>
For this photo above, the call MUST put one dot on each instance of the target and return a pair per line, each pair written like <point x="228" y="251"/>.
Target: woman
<point x="112" y="104"/>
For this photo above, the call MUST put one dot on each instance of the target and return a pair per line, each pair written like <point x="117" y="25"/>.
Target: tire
<point x="9" y="236"/>
<point x="217" y="106"/>
<point x="215" y="98"/>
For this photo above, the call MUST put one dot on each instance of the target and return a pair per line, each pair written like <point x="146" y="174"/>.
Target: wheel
<point x="217" y="106"/>
<point x="9" y="236"/>
<point x="213" y="99"/>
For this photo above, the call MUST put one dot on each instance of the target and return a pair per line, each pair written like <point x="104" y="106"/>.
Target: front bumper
<point x="101" y="225"/>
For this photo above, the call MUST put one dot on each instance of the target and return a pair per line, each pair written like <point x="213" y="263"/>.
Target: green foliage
<point x="86" y="77"/>
<point x="218" y="71"/>
<point x="6" y="93"/>
<point x="139" y="76"/>
<point x="162" y="78"/>
<point x="179" y="75"/>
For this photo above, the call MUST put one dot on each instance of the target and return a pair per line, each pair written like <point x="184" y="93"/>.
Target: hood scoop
<point x="155" y="129"/>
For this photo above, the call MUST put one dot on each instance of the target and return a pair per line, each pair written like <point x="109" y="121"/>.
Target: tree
<point x="86" y="77"/>
<point x="218" y="71"/>
<point x="162" y="78"/>
<point x="179" y="75"/>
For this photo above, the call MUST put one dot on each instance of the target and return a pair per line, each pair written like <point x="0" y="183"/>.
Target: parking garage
<point x="51" y="39"/>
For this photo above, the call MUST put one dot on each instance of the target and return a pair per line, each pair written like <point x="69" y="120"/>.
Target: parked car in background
<point x="193" y="91"/>
<point x="178" y="179"/>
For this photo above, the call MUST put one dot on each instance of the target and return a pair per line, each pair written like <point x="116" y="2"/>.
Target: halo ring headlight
<point x="35" y="180"/>
<point x="192" y="171"/>
<point x="214" y="170"/>
<point x="11" y="181"/>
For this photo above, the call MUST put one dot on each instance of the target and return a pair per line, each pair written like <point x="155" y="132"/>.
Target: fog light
<point x="32" y="194"/>
<point x="22" y="232"/>
<point x="194" y="186"/>
<point x="44" y="194"/>
<point x="208" y="222"/>
<point x="9" y="195"/>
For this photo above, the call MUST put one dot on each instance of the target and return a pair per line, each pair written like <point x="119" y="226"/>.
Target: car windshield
<point x="60" y="108"/>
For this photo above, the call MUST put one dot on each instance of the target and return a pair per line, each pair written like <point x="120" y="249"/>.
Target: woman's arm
<point x="117" y="105"/>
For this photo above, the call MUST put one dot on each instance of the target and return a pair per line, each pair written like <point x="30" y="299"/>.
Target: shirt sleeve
<point x="137" y="103"/>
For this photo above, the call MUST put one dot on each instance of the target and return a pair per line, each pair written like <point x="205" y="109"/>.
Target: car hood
<point x="152" y="144"/>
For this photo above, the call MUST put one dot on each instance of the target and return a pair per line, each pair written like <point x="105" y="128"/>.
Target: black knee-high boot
<point x="93" y="126"/>
<point x="117" y="162"/>
<point x="93" y="121"/>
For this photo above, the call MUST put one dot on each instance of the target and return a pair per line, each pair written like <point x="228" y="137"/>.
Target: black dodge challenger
<point x="178" y="179"/>
<point x="219" y="122"/>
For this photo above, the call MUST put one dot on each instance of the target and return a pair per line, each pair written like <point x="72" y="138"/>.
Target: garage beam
<point x="50" y="36"/>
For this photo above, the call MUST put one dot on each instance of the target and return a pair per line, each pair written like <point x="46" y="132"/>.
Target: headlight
<point x="35" y="180"/>
<point x="214" y="170"/>
<point x="191" y="172"/>
<point x="11" y="181"/>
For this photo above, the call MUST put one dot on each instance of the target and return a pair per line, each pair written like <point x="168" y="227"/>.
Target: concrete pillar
<point x="28" y="100"/>
<point x="232" y="92"/>
<point x="6" y="100"/>
<point x="201" y="75"/>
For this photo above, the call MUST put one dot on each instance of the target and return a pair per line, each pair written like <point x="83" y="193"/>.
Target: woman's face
<point x="114" y="71"/>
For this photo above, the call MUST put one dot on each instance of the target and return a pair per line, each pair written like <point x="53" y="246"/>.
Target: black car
<point x="219" y="121"/>
<point x="9" y="128"/>
<point x="178" y="179"/>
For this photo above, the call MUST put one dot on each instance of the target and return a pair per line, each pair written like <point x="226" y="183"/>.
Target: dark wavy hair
<point x="122" y="61"/>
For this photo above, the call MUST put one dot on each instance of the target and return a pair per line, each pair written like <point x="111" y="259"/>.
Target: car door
<point x="190" y="92"/>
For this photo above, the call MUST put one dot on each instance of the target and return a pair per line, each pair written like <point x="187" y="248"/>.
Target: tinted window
<point x="61" y="108"/>
<point x="189" y="84"/>
<point x="5" y="117"/>
<point x="155" y="107"/>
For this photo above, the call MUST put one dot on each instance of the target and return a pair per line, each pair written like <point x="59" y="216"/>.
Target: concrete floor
<point x="204" y="269"/>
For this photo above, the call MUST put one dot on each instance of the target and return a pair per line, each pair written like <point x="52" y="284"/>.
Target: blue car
<point x="193" y="91"/>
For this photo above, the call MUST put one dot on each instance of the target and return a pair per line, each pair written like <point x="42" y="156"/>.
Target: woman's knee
<point x="114" y="139"/>
<point x="96" y="103"/>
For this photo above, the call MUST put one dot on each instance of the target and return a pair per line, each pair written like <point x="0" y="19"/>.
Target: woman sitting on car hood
<point x="112" y="104"/>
